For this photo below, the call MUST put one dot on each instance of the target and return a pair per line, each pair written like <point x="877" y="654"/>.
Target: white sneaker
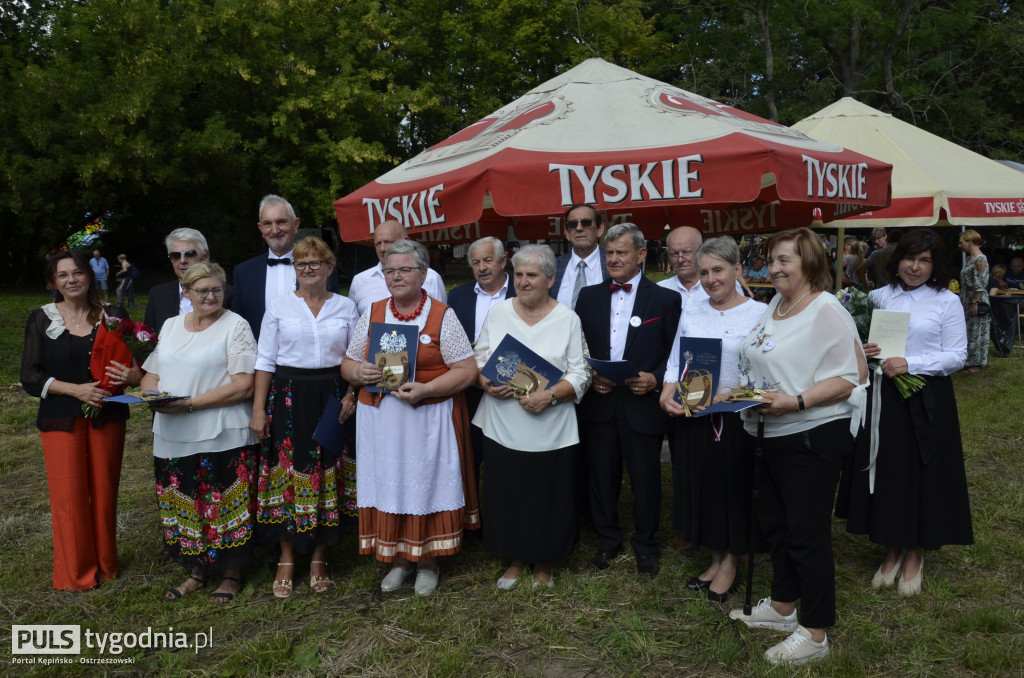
<point x="797" y="649"/>
<point x="764" y="616"/>
<point x="426" y="582"/>
<point x="396" y="577"/>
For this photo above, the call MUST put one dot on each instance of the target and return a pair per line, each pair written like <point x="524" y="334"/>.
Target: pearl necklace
<point x="783" y="314"/>
<point x="412" y="316"/>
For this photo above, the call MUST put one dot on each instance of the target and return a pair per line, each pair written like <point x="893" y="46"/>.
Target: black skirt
<point x="712" y="482"/>
<point x="920" y="497"/>
<point x="305" y="491"/>
<point x="529" y="503"/>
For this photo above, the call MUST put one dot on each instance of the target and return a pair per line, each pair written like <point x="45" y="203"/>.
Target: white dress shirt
<point x="593" y="269"/>
<point x="622" y="312"/>
<point x="369" y="286"/>
<point x="484" y="302"/>
<point x="292" y="336"/>
<point x="937" y="336"/>
<point x="184" y="303"/>
<point x="280" y="278"/>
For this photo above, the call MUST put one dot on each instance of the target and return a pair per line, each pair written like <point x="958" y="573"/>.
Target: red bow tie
<point x="615" y="287"/>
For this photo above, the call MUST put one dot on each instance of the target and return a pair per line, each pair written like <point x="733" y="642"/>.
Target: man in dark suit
<point x="185" y="246"/>
<point x="584" y="227"/>
<point x="471" y="302"/>
<point x="270" y="274"/>
<point x="629" y="319"/>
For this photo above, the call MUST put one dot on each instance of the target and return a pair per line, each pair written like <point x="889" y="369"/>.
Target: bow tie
<point x="276" y="262"/>
<point x="615" y="287"/>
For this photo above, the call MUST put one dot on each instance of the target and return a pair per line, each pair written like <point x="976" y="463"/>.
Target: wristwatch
<point x="554" y="398"/>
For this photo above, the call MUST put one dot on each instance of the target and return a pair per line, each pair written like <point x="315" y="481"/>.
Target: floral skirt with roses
<point x="207" y="508"/>
<point x="306" y="491"/>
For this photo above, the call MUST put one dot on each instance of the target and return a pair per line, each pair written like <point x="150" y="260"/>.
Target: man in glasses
<point x="585" y="264"/>
<point x="269" y="274"/>
<point x="683" y="243"/>
<point x="368" y="286"/>
<point x="185" y="246"/>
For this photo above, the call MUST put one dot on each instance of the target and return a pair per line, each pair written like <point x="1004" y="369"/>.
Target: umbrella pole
<point x="755" y="489"/>
<point x="839" y="257"/>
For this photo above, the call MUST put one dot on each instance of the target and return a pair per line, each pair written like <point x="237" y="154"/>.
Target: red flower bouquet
<point x="119" y="339"/>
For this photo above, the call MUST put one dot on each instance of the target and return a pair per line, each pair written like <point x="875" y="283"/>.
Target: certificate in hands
<point x="143" y="397"/>
<point x="393" y="350"/>
<point x="513" y="364"/>
<point x="889" y="331"/>
<point x="700" y="362"/>
<point x="615" y="370"/>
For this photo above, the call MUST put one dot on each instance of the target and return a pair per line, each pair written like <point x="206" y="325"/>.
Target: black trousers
<point x="799" y="475"/>
<point x="610" y="445"/>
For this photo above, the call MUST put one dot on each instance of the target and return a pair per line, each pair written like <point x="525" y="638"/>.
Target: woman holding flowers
<point x="908" y="488"/>
<point x="82" y="453"/>
<point x="711" y="465"/>
<point x="304" y="489"/>
<point x="204" y="453"/>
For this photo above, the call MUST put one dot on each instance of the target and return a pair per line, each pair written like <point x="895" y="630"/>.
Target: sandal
<point x="221" y="597"/>
<point x="285" y="584"/>
<point x="319" y="584"/>
<point x="173" y="594"/>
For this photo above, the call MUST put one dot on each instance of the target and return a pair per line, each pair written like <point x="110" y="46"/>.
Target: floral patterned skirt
<point x="207" y="502"/>
<point x="305" y="491"/>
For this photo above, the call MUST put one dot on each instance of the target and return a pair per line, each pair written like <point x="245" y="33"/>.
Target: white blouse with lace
<point x="192" y="363"/>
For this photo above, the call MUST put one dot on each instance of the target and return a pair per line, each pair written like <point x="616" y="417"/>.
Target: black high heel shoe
<point x="721" y="597"/>
<point x="698" y="584"/>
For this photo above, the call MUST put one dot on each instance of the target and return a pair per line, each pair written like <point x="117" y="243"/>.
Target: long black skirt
<point x="305" y="491"/>
<point x="207" y="503"/>
<point x="529" y="503"/>
<point x="920" y="496"/>
<point x="712" y="482"/>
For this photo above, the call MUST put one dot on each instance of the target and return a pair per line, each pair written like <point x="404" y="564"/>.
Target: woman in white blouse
<point x="806" y="347"/>
<point x="711" y="465"/>
<point x="530" y="440"/>
<point x="911" y="493"/>
<point x="204" y="452"/>
<point x="304" y="488"/>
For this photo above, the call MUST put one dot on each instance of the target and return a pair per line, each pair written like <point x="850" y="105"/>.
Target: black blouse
<point x="65" y="358"/>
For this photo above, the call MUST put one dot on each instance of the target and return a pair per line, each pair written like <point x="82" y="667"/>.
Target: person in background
<point x="126" y="283"/>
<point x="917" y="497"/>
<point x="631" y="319"/>
<point x="531" y="438"/>
<point x="82" y="455"/>
<point x="806" y="347"/>
<point x="204" y="453"/>
<point x="185" y="246"/>
<point x="974" y="297"/>
<point x="853" y="262"/>
<point x="758" y="270"/>
<point x="712" y="462"/>
<point x="414" y="478"/>
<point x="304" y="489"/>
<point x="369" y="286"/>
<point x="1015" y="276"/>
<point x="101" y="271"/>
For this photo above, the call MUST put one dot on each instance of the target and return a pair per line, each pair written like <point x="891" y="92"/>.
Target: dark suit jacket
<point x="647" y="348"/>
<point x="563" y="261"/>
<point x="462" y="299"/>
<point x="163" y="303"/>
<point x="250" y="279"/>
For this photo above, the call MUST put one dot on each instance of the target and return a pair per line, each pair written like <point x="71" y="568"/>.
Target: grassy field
<point x="968" y="622"/>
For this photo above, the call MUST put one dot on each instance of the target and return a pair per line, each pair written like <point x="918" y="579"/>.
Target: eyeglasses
<point x="405" y="270"/>
<point x="571" y="224"/>
<point x="204" y="293"/>
<point x="188" y="254"/>
<point x="311" y="265"/>
<point x="681" y="254"/>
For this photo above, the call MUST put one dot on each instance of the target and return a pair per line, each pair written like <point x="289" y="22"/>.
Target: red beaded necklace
<point x="414" y="314"/>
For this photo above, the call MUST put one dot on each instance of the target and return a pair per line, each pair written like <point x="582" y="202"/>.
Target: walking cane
<point x="755" y="486"/>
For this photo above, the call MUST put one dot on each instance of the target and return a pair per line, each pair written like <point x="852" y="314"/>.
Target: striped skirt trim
<point x="413" y="537"/>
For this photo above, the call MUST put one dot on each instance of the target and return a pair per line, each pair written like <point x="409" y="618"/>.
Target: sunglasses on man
<point x="188" y="254"/>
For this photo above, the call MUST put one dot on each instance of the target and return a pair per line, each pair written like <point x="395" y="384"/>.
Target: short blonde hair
<point x="203" y="269"/>
<point x="971" y="236"/>
<point x="312" y="245"/>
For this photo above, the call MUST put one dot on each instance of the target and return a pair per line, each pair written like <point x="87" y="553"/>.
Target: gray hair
<point x="542" y="255"/>
<point x="271" y="199"/>
<point x="627" y="228"/>
<point x="499" y="249"/>
<point x="187" y="235"/>
<point x="722" y="247"/>
<point x="411" y="247"/>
